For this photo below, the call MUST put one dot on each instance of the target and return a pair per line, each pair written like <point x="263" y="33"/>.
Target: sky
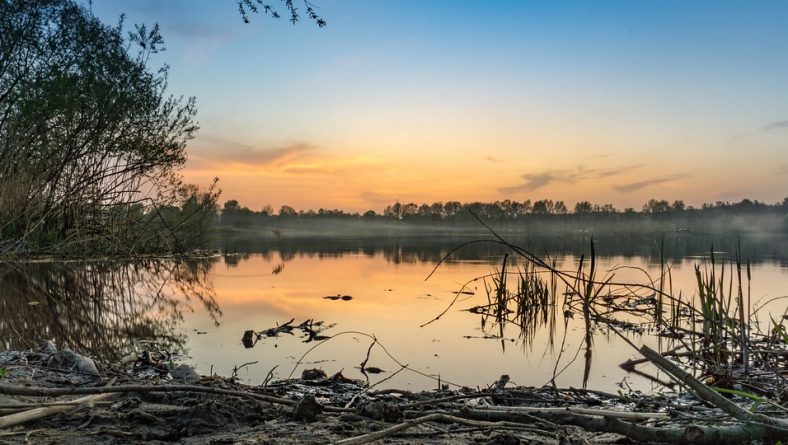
<point x="472" y="100"/>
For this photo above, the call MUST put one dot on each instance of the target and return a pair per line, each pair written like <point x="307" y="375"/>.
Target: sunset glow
<point x="612" y="102"/>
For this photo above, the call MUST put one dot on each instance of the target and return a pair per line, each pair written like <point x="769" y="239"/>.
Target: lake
<point x="201" y="308"/>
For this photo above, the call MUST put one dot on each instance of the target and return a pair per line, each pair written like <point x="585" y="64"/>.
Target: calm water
<point x="202" y="308"/>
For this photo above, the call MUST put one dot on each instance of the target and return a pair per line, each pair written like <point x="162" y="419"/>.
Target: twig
<point x="238" y="368"/>
<point x="367" y="389"/>
<point x="394" y="359"/>
<point x="268" y="377"/>
<point x="366" y="359"/>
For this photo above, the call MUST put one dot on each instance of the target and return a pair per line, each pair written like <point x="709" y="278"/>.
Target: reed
<point x="712" y="331"/>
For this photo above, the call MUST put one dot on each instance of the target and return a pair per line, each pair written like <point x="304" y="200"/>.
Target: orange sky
<point x="611" y="102"/>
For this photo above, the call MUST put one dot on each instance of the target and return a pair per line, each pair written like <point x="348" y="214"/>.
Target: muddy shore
<point x="159" y="401"/>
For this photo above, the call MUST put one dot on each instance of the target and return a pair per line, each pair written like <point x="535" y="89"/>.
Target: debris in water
<point x="309" y="328"/>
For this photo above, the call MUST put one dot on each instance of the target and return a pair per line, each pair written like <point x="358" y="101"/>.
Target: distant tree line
<point x="233" y="214"/>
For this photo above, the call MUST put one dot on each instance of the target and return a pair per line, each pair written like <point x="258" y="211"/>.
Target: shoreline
<point x="149" y="398"/>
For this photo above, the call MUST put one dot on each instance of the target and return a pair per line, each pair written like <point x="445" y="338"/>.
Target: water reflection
<point x="103" y="308"/>
<point x="106" y="308"/>
<point x="674" y="247"/>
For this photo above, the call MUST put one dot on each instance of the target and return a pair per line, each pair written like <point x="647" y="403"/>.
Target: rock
<point x="68" y="359"/>
<point x="503" y="438"/>
<point x="307" y="409"/>
<point x="313" y="374"/>
<point x="184" y="373"/>
<point x="380" y="411"/>
<point x="48" y="347"/>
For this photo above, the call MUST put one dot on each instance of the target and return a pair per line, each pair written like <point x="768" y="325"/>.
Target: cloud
<point x="220" y="153"/>
<point x="783" y="170"/>
<point x="375" y="198"/>
<point x="535" y="181"/>
<point x="201" y="31"/>
<point x="632" y="186"/>
<point x="595" y="157"/>
<point x="491" y="159"/>
<point x="608" y="172"/>
<point x="776" y="125"/>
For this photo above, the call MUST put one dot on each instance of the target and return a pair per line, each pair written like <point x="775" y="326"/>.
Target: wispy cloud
<point x="632" y="186"/>
<point x="596" y="157"/>
<point x="535" y="181"/>
<point x="783" y="170"/>
<point x="375" y="198"/>
<point x="201" y="31"/>
<point x="221" y="153"/>
<point x="776" y="125"/>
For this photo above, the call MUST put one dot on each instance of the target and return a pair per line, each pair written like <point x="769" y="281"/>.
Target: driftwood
<point x="711" y="396"/>
<point x="55" y="392"/>
<point x="694" y="434"/>
<point x="438" y="417"/>
<point x="586" y="411"/>
<point x="38" y="413"/>
<point x="701" y="435"/>
<point x="16" y="407"/>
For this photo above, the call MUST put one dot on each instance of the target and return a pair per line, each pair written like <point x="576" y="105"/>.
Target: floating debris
<point x="338" y="297"/>
<point x="309" y="328"/>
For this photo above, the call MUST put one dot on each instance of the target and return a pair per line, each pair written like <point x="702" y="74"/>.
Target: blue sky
<point x="616" y="101"/>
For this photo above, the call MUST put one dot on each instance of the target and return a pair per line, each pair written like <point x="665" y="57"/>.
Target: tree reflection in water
<point x="103" y="308"/>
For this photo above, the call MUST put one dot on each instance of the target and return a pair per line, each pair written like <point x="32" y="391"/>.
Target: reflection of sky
<point x="251" y="297"/>
<point x="421" y="101"/>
